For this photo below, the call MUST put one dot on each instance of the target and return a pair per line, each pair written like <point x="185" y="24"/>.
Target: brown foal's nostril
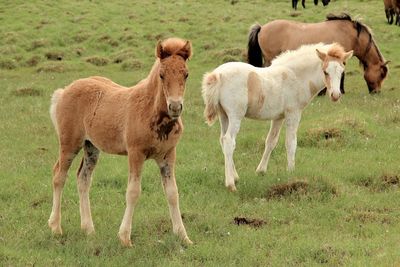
<point x="175" y="107"/>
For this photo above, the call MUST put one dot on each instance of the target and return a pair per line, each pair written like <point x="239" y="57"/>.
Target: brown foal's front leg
<point x="136" y="160"/>
<point x="167" y="170"/>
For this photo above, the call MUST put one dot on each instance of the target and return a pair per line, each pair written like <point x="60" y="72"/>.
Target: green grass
<point x="348" y="213"/>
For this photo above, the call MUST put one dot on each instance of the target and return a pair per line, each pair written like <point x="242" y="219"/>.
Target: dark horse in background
<point x="303" y="3"/>
<point x="277" y="36"/>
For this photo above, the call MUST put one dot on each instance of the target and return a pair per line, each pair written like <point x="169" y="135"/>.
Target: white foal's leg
<point x="90" y="157"/>
<point x="133" y="191"/>
<point x="270" y="144"/>
<point x="224" y="122"/>
<point x="292" y="124"/>
<point x="167" y="170"/>
<point x="229" y="144"/>
<point x="60" y="171"/>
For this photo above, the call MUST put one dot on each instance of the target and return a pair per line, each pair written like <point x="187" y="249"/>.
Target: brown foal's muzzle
<point x="175" y="108"/>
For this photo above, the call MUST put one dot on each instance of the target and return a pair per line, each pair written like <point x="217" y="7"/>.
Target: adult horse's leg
<point x="303" y="3"/>
<point x="270" y="144"/>
<point x="229" y="144"/>
<point x="315" y="2"/>
<point x="136" y="160"/>
<point x="292" y="124"/>
<point x="167" y="170"/>
<point x="294" y="4"/>
<point x="84" y="177"/>
<point x="224" y="122"/>
<point x="60" y="170"/>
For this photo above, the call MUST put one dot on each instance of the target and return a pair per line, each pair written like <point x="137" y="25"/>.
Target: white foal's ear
<point x="321" y="55"/>
<point x="347" y="55"/>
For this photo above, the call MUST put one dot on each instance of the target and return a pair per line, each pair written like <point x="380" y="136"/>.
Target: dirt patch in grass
<point x="316" y="135"/>
<point x="33" y="61"/>
<point x="38" y="202"/>
<point x="316" y="188"/>
<point x="52" y="67"/>
<point x="38" y="43"/>
<point x="209" y="46"/>
<point x="108" y="40"/>
<point x="132" y="64"/>
<point x="389" y="179"/>
<point x="295" y="14"/>
<point x="329" y="255"/>
<point x="97" y="60"/>
<point x="26" y="91"/>
<point x="8" y="64"/>
<point x="281" y="190"/>
<point x="122" y="56"/>
<point x="255" y="223"/>
<point x="54" y="55"/>
<point x="365" y="217"/>
<point x="156" y="37"/>
<point x="232" y="54"/>
<point x="380" y="183"/>
<point x="80" y="37"/>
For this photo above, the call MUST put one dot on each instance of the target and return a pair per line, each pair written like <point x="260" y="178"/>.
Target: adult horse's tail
<point x="54" y="100"/>
<point x="210" y="91"/>
<point x="254" y="54"/>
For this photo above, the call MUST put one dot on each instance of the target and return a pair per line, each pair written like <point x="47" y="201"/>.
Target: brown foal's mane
<point x="359" y="27"/>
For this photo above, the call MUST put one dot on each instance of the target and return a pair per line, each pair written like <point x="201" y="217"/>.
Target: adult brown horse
<point x="275" y="37"/>
<point x="142" y="122"/>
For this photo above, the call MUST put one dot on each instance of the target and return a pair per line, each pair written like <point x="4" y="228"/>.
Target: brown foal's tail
<point x="54" y="100"/>
<point x="254" y="54"/>
<point x="210" y="92"/>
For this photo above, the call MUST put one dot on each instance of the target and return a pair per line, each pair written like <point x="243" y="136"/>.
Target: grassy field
<point x="345" y="211"/>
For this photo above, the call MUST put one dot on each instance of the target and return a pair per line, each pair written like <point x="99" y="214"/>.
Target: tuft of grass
<point x="97" y="60"/>
<point x="132" y="64"/>
<point x="8" y="64"/>
<point x="58" y="67"/>
<point x="26" y="91"/>
<point x="54" y="55"/>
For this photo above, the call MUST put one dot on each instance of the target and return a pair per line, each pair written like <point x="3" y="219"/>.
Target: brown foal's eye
<point x="161" y="77"/>
<point x="325" y="73"/>
<point x="186" y="75"/>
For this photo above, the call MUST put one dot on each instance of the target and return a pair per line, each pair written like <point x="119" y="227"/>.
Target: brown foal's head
<point x="173" y="54"/>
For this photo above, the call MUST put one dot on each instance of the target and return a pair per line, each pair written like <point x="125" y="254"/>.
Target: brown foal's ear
<point x="160" y="52"/>
<point x="321" y="55"/>
<point x="347" y="55"/>
<point x="186" y="50"/>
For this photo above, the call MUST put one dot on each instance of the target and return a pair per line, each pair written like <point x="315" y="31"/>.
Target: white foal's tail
<point x="210" y="90"/>
<point x="54" y="100"/>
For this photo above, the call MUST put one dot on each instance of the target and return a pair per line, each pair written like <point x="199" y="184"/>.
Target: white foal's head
<point x="333" y="63"/>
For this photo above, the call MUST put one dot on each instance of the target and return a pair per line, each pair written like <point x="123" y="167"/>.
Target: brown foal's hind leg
<point x="60" y="170"/>
<point x="171" y="191"/>
<point x="133" y="191"/>
<point x="84" y="177"/>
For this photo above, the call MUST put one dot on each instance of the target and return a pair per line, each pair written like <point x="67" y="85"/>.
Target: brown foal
<point x="142" y="122"/>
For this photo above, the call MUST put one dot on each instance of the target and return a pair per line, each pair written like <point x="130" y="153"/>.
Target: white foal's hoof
<point x="125" y="239"/>
<point x="261" y="171"/>
<point x="55" y="228"/>
<point x="88" y="229"/>
<point x="231" y="188"/>
<point x="187" y="241"/>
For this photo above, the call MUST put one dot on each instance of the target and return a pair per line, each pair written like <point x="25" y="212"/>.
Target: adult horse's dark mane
<point x="359" y="27"/>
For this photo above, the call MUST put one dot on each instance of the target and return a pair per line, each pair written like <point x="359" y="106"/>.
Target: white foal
<point x="278" y="93"/>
